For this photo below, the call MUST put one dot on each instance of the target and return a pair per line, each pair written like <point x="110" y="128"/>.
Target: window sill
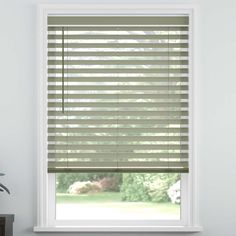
<point x="41" y="229"/>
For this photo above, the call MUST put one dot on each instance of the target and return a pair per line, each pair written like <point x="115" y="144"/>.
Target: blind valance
<point x="118" y="93"/>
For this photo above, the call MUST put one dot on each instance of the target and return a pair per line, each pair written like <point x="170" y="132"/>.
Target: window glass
<point x="123" y="196"/>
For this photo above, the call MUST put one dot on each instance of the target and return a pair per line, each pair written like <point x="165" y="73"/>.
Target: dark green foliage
<point x="159" y="185"/>
<point x="134" y="188"/>
<point x="147" y="187"/>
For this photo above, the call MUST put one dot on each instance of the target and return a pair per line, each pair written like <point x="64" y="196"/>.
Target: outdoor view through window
<point x="118" y="196"/>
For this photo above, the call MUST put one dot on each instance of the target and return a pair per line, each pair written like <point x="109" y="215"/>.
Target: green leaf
<point x="2" y="187"/>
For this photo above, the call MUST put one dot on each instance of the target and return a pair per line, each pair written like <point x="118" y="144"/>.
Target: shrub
<point x="65" y="180"/>
<point x="147" y="187"/>
<point x="110" y="184"/>
<point x="84" y="187"/>
<point x="133" y="188"/>
<point x="159" y="186"/>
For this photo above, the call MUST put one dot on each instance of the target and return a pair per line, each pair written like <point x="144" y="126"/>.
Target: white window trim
<point x="44" y="224"/>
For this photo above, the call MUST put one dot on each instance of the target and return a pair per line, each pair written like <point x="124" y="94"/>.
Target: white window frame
<point x="46" y="199"/>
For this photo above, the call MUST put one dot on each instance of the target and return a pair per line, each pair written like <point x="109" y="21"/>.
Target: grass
<point x="114" y="200"/>
<point x="72" y="206"/>
<point x="88" y="198"/>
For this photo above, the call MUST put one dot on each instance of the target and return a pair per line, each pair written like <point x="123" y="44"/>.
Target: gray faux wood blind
<point x="118" y="93"/>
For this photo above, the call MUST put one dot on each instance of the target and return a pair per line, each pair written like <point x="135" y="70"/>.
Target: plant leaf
<point x="4" y="188"/>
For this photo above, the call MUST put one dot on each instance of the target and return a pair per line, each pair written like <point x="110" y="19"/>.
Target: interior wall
<point x="215" y="112"/>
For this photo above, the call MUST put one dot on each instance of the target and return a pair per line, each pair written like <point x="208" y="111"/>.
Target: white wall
<point x="215" y="111"/>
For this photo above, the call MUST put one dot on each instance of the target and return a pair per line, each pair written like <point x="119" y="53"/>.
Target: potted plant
<point x="3" y="187"/>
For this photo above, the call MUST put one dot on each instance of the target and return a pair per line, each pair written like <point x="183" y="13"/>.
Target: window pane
<point x="81" y="196"/>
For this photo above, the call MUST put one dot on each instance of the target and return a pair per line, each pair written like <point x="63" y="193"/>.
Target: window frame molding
<point x="43" y="223"/>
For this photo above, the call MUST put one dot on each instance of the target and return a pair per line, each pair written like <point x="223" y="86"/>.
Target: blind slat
<point x="114" y="130"/>
<point x="124" y="104"/>
<point x="120" y="79"/>
<point x="119" y="45"/>
<point x="118" y="62"/>
<point x="54" y="36"/>
<point x="119" y="87"/>
<point x="121" y="96"/>
<point x="116" y="138"/>
<point x="164" y="29"/>
<point x="108" y="70"/>
<point x="114" y="121"/>
<point x="119" y="53"/>
<point x="114" y="155"/>
<point x="121" y="113"/>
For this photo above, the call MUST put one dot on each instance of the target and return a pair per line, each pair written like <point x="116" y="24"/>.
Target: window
<point x="116" y="113"/>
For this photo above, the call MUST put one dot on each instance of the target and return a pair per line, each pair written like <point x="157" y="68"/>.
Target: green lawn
<point x="91" y="197"/>
<point x="104" y="204"/>
<point x="113" y="199"/>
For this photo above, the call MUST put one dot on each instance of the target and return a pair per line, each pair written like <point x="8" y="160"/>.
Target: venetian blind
<point x="118" y="93"/>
